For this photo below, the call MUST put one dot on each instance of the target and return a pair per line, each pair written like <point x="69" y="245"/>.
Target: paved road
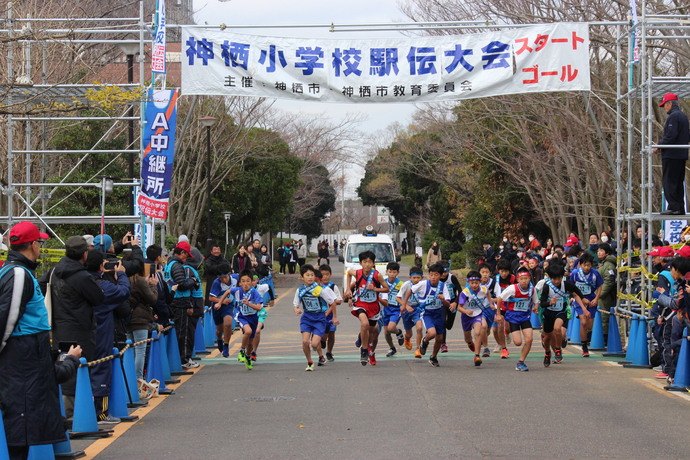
<point x="403" y="407"/>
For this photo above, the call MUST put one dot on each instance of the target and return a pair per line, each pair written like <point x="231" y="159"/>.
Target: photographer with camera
<point x="133" y="256"/>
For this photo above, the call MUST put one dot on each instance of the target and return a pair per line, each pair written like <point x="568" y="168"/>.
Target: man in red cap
<point x="676" y="132"/>
<point x="182" y="306"/>
<point x="28" y="384"/>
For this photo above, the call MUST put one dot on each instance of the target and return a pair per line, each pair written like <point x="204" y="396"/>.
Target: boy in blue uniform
<point x="453" y="284"/>
<point x="432" y="296"/>
<point x="518" y="300"/>
<point x="391" y="308"/>
<point x="410" y="312"/>
<point x="222" y="311"/>
<point x="590" y="283"/>
<point x="249" y="302"/>
<point x="331" y="318"/>
<point x="264" y="291"/>
<point x="313" y="302"/>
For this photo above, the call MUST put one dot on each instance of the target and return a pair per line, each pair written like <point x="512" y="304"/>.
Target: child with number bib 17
<point x="590" y="283"/>
<point x="518" y="301"/>
<point x="368" y="284"/>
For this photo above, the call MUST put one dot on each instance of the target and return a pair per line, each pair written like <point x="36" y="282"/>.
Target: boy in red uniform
<point x="365" y="290"/>
<point x="518" y="300"/>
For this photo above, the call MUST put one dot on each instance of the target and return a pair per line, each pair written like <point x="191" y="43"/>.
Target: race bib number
<point x="558" y="306"/>
<point x="584" y="287"/>
<point x="311" y="304"/>
<point x="476" y="304"/>
<point x="433" y="303"/>
<point x="367" y="295"/>
<point x="521" y="305"/>
<point x="392" y="300"/>
<point x="246" y="310"/>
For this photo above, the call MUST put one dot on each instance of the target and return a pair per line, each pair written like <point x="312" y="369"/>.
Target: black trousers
<point x="185" y="326"/>
<point x="673" y="181"/>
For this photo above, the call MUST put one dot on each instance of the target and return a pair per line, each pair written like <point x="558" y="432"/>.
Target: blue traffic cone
<point x="613" y="345"/>
<point x="199" y="345"/>
<point x="84" y="422"/>
<point x="117" y="403"/>
<point x="632" y="342"/>
<point x="574" y="330"/>
<point x="165" y="364"/>
<point x="209" y="330"/>
<point x="173" y="352"/>
<point x="4" y="453"/>
<point x="155" y="370"/>
<point x="681" y="379"/>
<point x="597" y="342"/>
<point x="63" y="449"/>
<point x="41" y="452"/>
<point x="640" y="355"/>
<point x="131" y="377"/>
<point x="534" y="319"/>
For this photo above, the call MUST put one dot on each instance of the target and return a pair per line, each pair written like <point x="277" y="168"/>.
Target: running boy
<point x="332" y="317"/>
<point x="517" y="300"/>
<point x="432" y="295"/>
<point x="504" y="279"/>
<point x="365" y="290"/>
<point x="249" y="302"/>
<point x="391" y="308"/>
<point x="554" y="297"/>
<point x="222" y="310"/>
<point x="490" y="314"/>
<point x="472" y="302"/>
<point x="453" y="284"/>
<point x="313" y="302"/>
<point x="410" y="313"/>
<point x="590" y="283"/>
<point x="264" y="291"/>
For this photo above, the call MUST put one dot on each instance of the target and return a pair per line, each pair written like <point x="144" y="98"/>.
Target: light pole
<point x="130" y="49"/>
<point x="227" y="215"/>
<point x="106" y="187"/>
<point x="208" y="122"/>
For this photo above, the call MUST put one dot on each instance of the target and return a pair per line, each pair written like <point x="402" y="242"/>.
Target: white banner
<point x="550" y="57"/>
<point x="158" y="53"/>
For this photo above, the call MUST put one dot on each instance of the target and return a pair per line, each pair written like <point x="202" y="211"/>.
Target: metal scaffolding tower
<point x="29" y="198"/>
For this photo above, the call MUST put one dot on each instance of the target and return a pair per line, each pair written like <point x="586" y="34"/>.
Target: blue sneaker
<point x="520" y="366"/>
<point x="226" y="350"/>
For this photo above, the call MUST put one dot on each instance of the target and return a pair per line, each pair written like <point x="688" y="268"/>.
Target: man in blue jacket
<point x="28" y="385"/>
<point x="676" y="132"/>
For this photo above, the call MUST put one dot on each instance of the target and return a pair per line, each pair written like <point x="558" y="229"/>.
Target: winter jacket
<point x="141" y="300"/>
<point x="607" y="268"/>
<point x="432" y="258"/>
<point x="676" y="132"/>
<point x="240" y="263"/>
<point x="28" y="385"/>
<point x="134" y="263"/>
<point x="75" y="294"/>
<point x="216" y="265"/>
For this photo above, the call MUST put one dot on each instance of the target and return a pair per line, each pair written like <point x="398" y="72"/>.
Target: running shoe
<point x="547" y="359"/>
<point x="470" y="345"/>
<point x="329" y="357"/>
<point x="408" y="344"/>
<point x="434" y="361"/>
<point x="252" y="356"/>
<point x="191" y="364"/>
<point x="109" y="420"/>
<point x="497" y="349"/>
<point x="477" y="361"/>
<point x="241" y="357"/>
<point x="423" y="347"/>
<point x="323" y="344"/>
<point x="358" y="342"/>
<point x="391" y="352"/>
<point x="417" y="353"/>
<point x="322" y="360"/>
<point x="520" y="366"/>
<point x="444" y="348"/>
<point x="363" y="357"/>
<point x="310" y="367"/>
<point x="225" y="350"/>
<point x="504" y="353"/>
<point x="658" y="369"/>
<point x="249" y="364"/>
<point x="486" y="353"/>
<point x="661" y="375"/>
<point x="509" y="339"/>
<point x="585" y="350"/>
<point x="558" y="358"/>
<point x="372" y="359"/>
<point x="401" y="337"/>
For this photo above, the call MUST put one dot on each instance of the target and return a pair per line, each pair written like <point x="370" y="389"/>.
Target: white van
<point x="380" y="245"/>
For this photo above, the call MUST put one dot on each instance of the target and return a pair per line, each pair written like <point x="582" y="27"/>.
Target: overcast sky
<point x="286" y="12"/>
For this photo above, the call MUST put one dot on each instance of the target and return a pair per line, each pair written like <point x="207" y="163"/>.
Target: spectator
<point x="291" y="258"/>
<point x="607" y="269"/>
<point x="533" y="242"/>
<point x="214" y="265"/>
<point x="74" y="296"/>
<point x="572" y="241"/>
<point x="323" y="253"/>
<point x="265" y="262"/>
<point x="281" y="258"/>
<point x="135" y="261"/>
<point x="676" y="132"/>
<point x="403" y="245"/>
<point x="240" y="260"/>
<point x="115" y="293"/>
<point x="253" y="261"/>
<point x="301" y="253"/>
<point x="143" y="297"/>
<point x="434" y="255"/>
<point x="161" y="309"/>
<point x="28" y="392"/>
<point x="195" y="256"/>
<point x="593" y="248"/>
